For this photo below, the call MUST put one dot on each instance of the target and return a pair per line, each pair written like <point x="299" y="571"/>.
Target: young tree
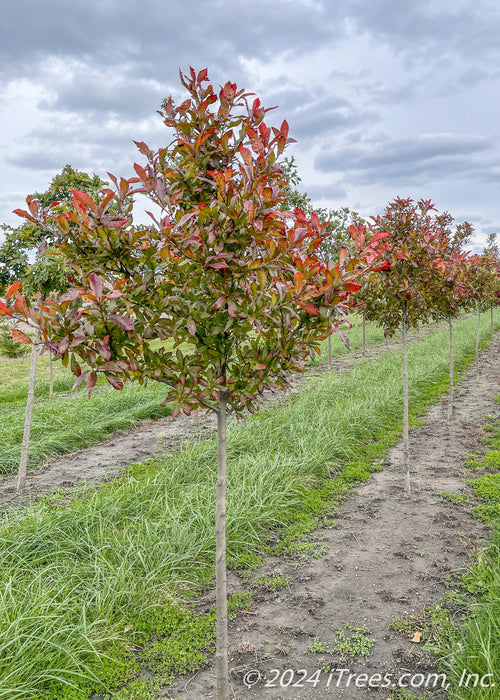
<point x="482" y="279"/>
<point x="450" y="296"/>
<point x="232" y="279"/>
<point x="450" y="299"/>
<point x="336" y="233"/>
<point x="402" y="297"/>
<point x="492" y="250"/>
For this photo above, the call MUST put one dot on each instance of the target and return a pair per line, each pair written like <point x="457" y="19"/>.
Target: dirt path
<point x="388" y="556"/>
<point x="105" y="460"/>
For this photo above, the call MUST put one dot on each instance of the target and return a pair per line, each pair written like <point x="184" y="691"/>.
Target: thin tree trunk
<point x="51" y="377"/>
<point x="23" y="462"/>
<point x="478" y="337"/>
<point x="330" y="351"/>
<point x="406" y="429"/>
<point x="364" y="335"/>
<point x="386" y="342"/>
<point x="450" y="400"/>
<point x="220" y="555"/>
<point x="492" y="325"/>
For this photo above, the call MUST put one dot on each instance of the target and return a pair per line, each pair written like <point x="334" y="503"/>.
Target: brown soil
<point x="387" y="556"/>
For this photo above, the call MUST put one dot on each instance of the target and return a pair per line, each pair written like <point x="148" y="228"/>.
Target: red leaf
<point x="115" y="382"/>
<point x="20" y="306"/>
<point x="25" y="215"/>
<point x="191" y="326"/>
<point x="4" y="310"/>
<point x="310" y="309"/>
<point x="104" y="351"/>
<point x="91" y="381"/>
<point x="70" y="295"/>
<point x="261" y="365"/>
<point x="343" y="337"/>
<point x="231" y="309"/>
<point x="115" y="294"/>
<point x="96" y="285"/>
<point x="12" y="289"/>
<point x="79" y="380"/>
<point x="126" y="323"/>
<point x="144" y="149"/>
<point x="114" y="366"/>
<point x="21" y="337"/>
<point x="299" y="281"/>
<point x="83" y="201"/>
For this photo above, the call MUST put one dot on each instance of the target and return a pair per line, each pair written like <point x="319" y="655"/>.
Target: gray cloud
<point x="156" y="37"/>
<point x="94" y="94"/>
<point x="406" y="161"/>
<point x="417" y="30"/>
<point x="333" y="191"/>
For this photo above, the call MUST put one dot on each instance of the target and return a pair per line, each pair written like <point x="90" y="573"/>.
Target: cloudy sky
<point x="386" y="98"/>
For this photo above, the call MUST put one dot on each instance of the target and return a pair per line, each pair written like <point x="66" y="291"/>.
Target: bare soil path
<point x="388" y="556"/>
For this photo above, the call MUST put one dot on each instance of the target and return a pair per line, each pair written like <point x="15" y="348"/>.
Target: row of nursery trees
<point x="244" y="282"/>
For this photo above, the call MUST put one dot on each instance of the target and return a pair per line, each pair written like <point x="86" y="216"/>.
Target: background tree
<point x="492" y="250"/>
<point x="336" y="232"/>
<point x="234" y="281"/>
<point x="28" y="257"/>
<point x="400" y="298"/>
<point x="450" y="295"/>
<point x="482" y="280"/>
<point x="450" y="299"/>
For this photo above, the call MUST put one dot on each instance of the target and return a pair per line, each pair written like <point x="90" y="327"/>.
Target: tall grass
<point x="85" y="575"/>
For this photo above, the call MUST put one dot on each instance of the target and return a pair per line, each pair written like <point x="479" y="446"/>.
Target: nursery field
<point x="107" y="593"/>
<point x="72" y="421"/>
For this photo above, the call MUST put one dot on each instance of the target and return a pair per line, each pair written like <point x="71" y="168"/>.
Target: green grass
<point x="92" y="590"/>
<point x="472" y="647"/>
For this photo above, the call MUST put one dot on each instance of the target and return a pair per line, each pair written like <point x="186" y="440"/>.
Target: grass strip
<point x="72" y="422"/>
<point x="66" y="424"/>
<point x="91" y="591"/>
<point x="470" y="647"/>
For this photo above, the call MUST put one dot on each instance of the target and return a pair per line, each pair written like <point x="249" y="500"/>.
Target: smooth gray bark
<point x="220" y="554"/>
<point x="364" y="335"/>
<point x="28" y="416"/>
<point x="478" y="336"/>
<point x="330" y="351"/>
<point x="406" y="429"/>
<point x="51" y="377"/>
<point x="450" y="400"/>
